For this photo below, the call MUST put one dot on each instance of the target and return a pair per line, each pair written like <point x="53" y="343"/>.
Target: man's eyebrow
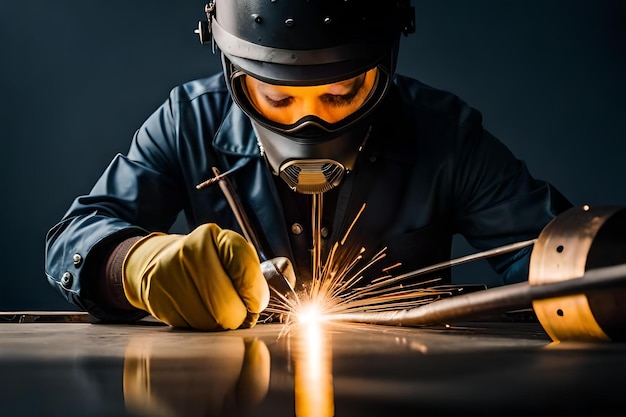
<point x="354" y="84"/>
<point x="263" y="87"/>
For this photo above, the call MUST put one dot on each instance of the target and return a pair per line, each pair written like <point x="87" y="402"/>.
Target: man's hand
<point x="209" y="279"/>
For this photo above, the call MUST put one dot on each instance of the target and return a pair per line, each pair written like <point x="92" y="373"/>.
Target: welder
<point x="308" y="103"/>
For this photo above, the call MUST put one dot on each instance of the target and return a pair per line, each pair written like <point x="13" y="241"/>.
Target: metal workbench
<point x="60" y="365"/>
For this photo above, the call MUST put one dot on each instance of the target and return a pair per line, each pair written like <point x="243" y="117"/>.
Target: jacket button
<point x="296" y="228"/>
<point x="77" y="259"/>
<point x="66" y="280"/>
<point x="324" y="232"/>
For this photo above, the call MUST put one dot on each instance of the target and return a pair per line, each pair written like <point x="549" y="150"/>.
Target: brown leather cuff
<point x="111" y="286"/>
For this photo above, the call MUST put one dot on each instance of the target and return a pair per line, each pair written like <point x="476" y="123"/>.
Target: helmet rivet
<point x="328" y="20"/>
<point x="289" y="22"/>
<point x="258" y="19"/>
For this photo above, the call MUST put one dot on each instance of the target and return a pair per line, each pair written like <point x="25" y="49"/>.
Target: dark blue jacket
<point x="428" y="171"/>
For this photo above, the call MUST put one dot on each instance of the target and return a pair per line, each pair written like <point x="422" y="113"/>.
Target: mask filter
<point x="312" y="176"/>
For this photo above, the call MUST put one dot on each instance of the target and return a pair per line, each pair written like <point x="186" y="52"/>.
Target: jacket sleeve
<point x="482" y="190"/>
<point x="498" y="201"/>
<point x="139" y="192"/>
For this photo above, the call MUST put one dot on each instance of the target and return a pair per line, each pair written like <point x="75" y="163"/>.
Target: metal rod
<point x="316" y="224"/>
<point x="493" y="300"/>
<point x="240" y="214"/>
<point x="473" y="257"/>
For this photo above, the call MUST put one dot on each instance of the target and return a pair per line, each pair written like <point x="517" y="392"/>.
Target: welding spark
<point x="335" y="287"/>
<point x="309" y="314"/>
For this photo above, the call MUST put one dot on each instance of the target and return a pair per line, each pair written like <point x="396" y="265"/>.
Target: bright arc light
<point x="310" y="313"/>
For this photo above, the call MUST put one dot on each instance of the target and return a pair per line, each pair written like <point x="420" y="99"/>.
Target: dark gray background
<point x="78" y="77"/>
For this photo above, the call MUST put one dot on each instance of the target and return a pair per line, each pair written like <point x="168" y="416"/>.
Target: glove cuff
<point x="138" y="261"/>
<point x="112" y="288"/>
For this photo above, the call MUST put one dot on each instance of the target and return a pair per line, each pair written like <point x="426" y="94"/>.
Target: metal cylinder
<point x="581" y="239"/>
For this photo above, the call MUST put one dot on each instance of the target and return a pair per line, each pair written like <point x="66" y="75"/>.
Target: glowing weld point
<point x="310" y="314"/>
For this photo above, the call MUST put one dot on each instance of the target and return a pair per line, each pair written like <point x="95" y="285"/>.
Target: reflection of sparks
<point x="313" y="377"/>
<point x="314" y="339"/>
<point x="335" y="288"/>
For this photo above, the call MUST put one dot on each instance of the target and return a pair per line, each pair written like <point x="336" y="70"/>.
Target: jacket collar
<point x="236" y="136"/>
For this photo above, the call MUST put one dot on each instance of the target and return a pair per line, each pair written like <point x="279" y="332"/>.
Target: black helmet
<point x="308" y="42"/>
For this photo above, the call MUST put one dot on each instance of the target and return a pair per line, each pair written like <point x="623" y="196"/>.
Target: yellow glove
<point x="209" y="279"/>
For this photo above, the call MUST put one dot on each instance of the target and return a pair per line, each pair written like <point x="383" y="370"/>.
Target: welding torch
<point x="278" y="271"/>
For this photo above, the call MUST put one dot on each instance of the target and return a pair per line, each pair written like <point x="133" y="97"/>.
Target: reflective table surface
<point x="56" y="368"/>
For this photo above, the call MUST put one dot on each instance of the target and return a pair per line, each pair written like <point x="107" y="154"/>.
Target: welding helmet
<point x="304" y="43"/>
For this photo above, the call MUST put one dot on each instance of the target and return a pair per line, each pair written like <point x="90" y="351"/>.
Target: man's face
<point x="330" y="102"/>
